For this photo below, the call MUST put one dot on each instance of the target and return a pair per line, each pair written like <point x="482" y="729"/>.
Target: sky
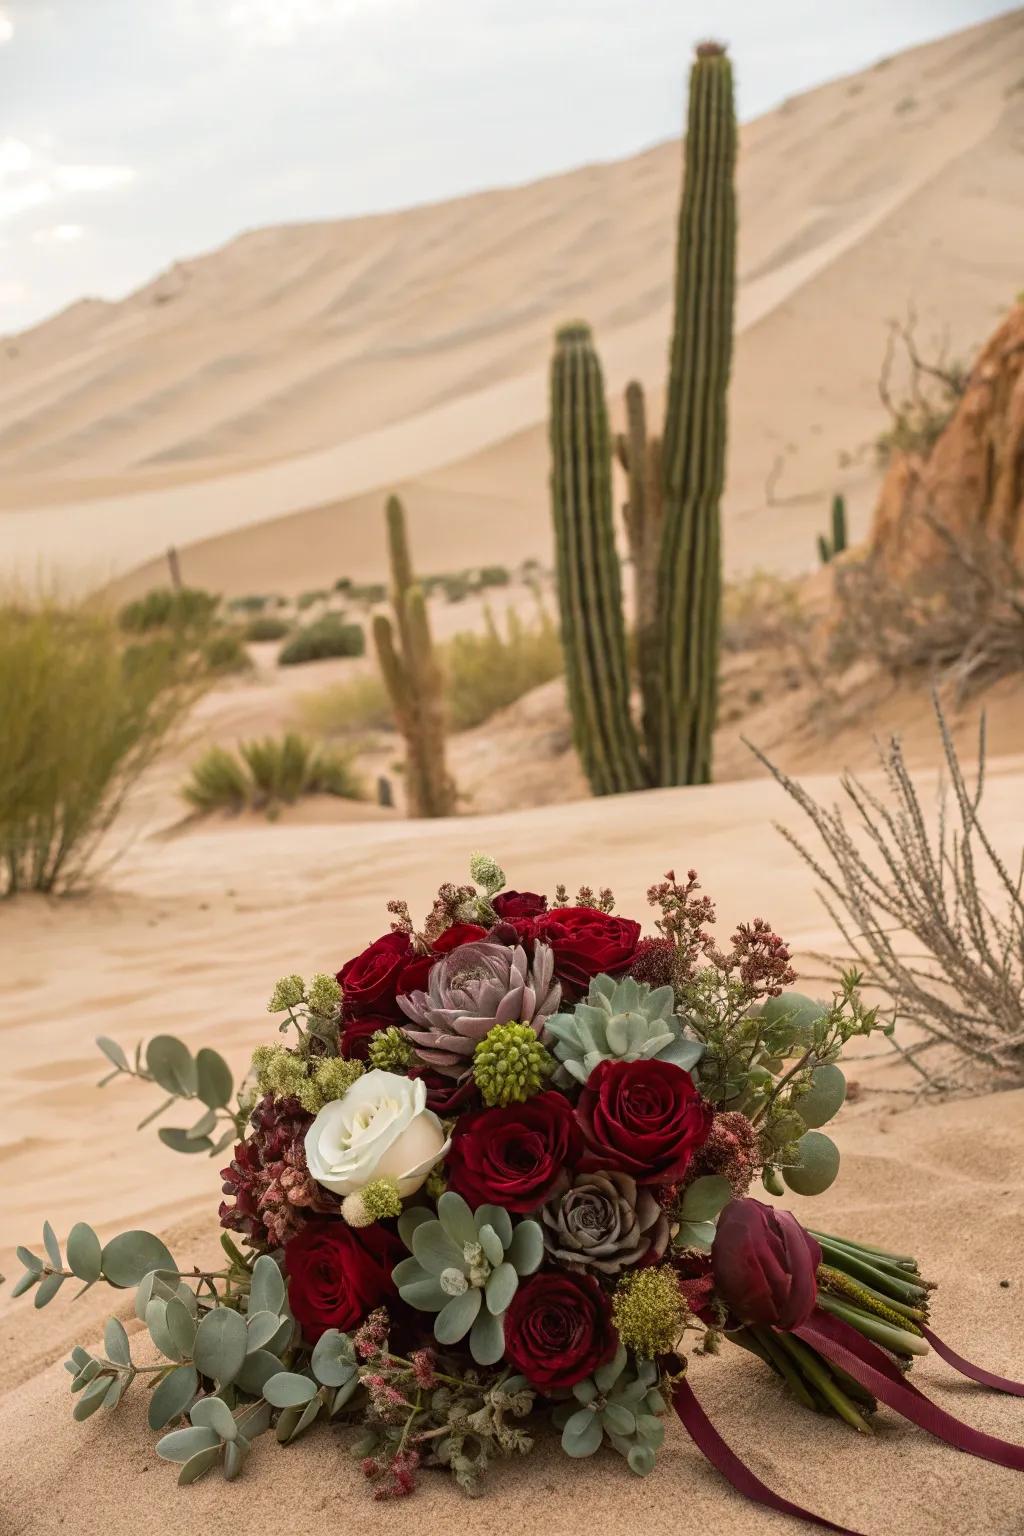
<point x="136" y="132"/>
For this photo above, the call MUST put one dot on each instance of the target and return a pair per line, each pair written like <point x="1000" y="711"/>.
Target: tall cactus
<point x="640" y="457"/>
<point x="693" y="452"/>
<point x="413" y="679"/>
<point x="589" y="579"/>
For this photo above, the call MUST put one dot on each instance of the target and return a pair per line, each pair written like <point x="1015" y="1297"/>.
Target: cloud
<point x="6" y="27"/>
<point x="31" y="177"/>
<point x="58" y="234"/>
<point x="276" y="22"/>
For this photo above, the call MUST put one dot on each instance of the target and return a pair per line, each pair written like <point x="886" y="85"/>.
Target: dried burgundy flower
<point x="765" y="1265"/>
<point x="273" y="1192"/>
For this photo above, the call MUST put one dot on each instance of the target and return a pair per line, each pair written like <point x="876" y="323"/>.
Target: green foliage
<point x="223" y="651"/>
<point x="510" y="1065"/>
<point x="267" y="774"/>
<point x="309" y="599"/>
<point x="621" y="1406"/>
<point x="81" y="721"/>
<point x="330" y="635"/>
<point x="182" y="609"/>
<point x="204" y="1079"/>
<point x="266" y="626"/>
<point x="359" y="704"/>
<point x="621" y="1020"/>
<point x="829" y="546"/>
<point x="487" y="672"/>
<point x="589" y="585"/>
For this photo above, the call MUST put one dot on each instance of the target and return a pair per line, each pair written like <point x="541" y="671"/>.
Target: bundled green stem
<point x="412" y="675"/>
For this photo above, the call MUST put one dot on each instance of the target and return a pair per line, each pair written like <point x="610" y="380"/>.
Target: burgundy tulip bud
<point x="765" y="1265"/>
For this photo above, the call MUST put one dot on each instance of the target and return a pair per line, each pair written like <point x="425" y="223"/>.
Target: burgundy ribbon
<point x="708" y="1441"/>
<point x="867" y="1364"/>
<point x="975" y="1372"/>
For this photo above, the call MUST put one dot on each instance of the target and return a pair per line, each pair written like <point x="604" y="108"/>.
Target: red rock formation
<point x="972" y="482"/>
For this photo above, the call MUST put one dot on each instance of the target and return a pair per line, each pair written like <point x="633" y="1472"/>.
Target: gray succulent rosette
<point x="602" y="1224"/>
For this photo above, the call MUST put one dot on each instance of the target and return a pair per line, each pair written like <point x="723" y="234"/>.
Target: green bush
<point x="360" y="704"/>
<point x="368" y="593"/>
<point x="486" y="672"/>
<point x="494" y="576"/>
<point x="187" y="608"/>
<point x="253" y="603"/>
<point x="456" y="588"/>
<point x="308" y="599"/>
<point x="224" y="651"/>
<point x="330" y="635"/>
<point x="81" y="718"/>
<point x="266" y="626"/>
<point x="267" y="774"/>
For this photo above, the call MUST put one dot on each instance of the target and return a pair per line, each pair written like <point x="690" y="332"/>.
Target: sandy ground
<point x="187" y="936"/>
<point x="279" y="386"/>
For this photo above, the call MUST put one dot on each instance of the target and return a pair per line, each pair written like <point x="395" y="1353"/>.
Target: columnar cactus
<point x="413" y="679"/>
<point x="828" y="548"/>
<point x="693" y="447"/>
<point x="640" y="457"/>
<point x="589" y="580"/>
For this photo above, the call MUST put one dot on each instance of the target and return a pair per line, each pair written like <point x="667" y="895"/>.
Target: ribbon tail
<point x="968" y="1368"/>
<point x="851" y="1352"/>
<point x="710" y="1443"/>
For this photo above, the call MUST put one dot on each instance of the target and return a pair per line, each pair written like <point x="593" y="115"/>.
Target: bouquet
<point x="495" y="1173"/>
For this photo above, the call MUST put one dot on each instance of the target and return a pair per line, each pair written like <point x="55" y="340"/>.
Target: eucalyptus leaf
<point x="206" y="1123"/>
<point x="288" y="1390"/>
<point x="698" y="1235"/>
<point x="32" y="1262"/>
<point x="235" y="1453"/>
<point x="170" y="1063"/>
<point x="113" y="1052"/>
<point x="333" y="1360"/>
<point x="219" y="1349"/>
<point x="198" y="1465"/>
<point x="85" y="1256"/>
<point x="91" y="1399"/>
<point x="25" y="1283"/>
<point x="287" y="1422"/>
<point x="181" y="1326"/>
<point x="181" y="1140"/>
<point x="306" y="1418"/>
<point x="171" y="1398"/>
<point x="256" y="1371"/>
<point x="640" y="1459"/>
<point x="130" y="1255"/>
<point x="89" y="1371"/>
<point x="582" y="1434"/>
<point x="214" y="1082"/>
<point x="619" y="1419"/>
<point x="267" y="1289"/>
<point x="344" y="1394"/>
<point x="156" y="1322"/>
<point x="818" y="1165"/>
<point x="118" y="1387"/>
<point x="115" y="1342"/>
<point x="260" y="1329"/>
<point x="214" y="1413"/>
<point x="52" y="1247"/>
<point x="255" y="1421"/>
<point x="49" y="1285"/>
<point x="706" y="1197"/>
<point x="180" y="1444"/>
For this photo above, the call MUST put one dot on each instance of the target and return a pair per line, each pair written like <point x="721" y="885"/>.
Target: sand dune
<point x="253" y="403"/>
<point x="188" y="936"/>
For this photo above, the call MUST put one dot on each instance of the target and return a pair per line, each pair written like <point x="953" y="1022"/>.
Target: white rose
<point x="381" y="1128"/>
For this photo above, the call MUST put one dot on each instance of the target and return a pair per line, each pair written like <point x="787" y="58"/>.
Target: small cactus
<point x="828" y="548"/>
<point x="413" y="679"/>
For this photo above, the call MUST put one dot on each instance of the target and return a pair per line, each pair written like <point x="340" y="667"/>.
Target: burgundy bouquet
<point x="496" y="1170"/>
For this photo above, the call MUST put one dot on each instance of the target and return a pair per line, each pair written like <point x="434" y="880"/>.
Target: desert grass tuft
<point x="268" y="773"/>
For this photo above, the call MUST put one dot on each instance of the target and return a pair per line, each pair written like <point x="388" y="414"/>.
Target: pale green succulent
<point x="466" y="1267"/>
<point x="621" y="1021"/>
<point x="620" y="1403"/>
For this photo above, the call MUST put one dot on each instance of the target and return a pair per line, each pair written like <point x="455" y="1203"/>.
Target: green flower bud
<point x="389" y="1050"/>
<point x="288" y="993"/>
<point x="324" y="995"/>
<point x="486" y="872"/>
<point x="332" y="1079"/>
<point x="510" y="1064"/>
<point x="649" y="1312"/>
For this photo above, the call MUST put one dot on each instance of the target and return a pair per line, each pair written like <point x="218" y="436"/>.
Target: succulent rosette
<point x="495" y="1169"/>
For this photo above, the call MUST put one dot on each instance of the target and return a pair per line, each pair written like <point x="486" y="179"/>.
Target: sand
<point x="254" y="404"/>
<point x="187" y="935"/>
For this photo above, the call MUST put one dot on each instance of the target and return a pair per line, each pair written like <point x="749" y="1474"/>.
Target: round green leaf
<point x="788" y="1022"/>
<point x="706" y="1197"/>
<point x="456" y="1318"/>
<point x="640" y="1459"/>
<point x="288" y="1390"/>
<point x="256" y="1371"/>
<point x="170" y="1063"/>
<point x="435" y="1250"/>
<point x="180" y="1444"/>
<point x="266" y="1289"/>
<point x="526" y="1249"/>
<point x="619" y="1420"/>
<point x="49" y="1285"/>
<point x="180" y="1140"/>
<point x="181" y="1327"/>
<point x="198" y="1465"/>
<point x="219" y="1349"/>
<point x="113" y="1052"/>
<point x="260" y="1328"/>
<point x="818" y="1165"/>
<point x="333" y="1359"/>
<point x="582" y="1434"/>
<point x="214" y="1413"/>
<point x="172" y="1397"/>
<point x="498" y="1218"/>
<point x="131" y="1255"/>
<point x="213" y="1079"/>
<point x="85" y="1256"/>
<point x="824" y="1098"/>
<point x="115" y="1342"/>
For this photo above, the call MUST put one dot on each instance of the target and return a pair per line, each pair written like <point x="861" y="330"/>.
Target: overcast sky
<point x="133" y="132"/>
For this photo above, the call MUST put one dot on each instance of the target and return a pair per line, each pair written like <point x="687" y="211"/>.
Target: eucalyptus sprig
<point x="205" y="1078"/>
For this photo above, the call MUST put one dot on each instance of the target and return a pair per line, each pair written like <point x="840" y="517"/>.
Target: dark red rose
<point x="643" y="1117"/>
<point x="357" y="1032"/>
<point x="338" y="1274"/>
<point x="516" y="1157"/>
<point x="558" y="1330"/>
<point x="513" y="905"/>
<point x="416" y="972"/>
<point x="765" y="1265"/>
<point x="444" y="1096"/>
<point x="369" y="982"/>
<point x="587" y="943"/>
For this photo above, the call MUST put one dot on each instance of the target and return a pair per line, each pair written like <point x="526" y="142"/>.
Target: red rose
<point x="516" y="1157"/>
<point x="643" y="1117"/>
<point x="415" y="974"/>
<point x="358" y="1031"/>
<point x="338" y="1274"/>
<point x="587" y="943"/>
<point x="558" y="1330"/>
<point x="369" y="982"/>
<point x="513" y="905"/>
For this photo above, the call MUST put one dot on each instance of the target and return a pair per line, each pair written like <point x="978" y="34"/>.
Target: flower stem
<point x="780" y="1359"/>
<point x="895" y="1339"/>
<point x="816" y="1371"/>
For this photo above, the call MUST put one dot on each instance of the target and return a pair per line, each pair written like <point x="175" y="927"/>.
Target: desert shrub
<point x="223" y="651"/>
<point x="494" y="576"/>
<point x="308" y="599"/>
<point x="330" y="635"/>
<point x="456" y="588"/>
<point x="254" y="602"/>
<point x="343" y="584"/>
<point x="185" y="608"/>
<point x="761" y="610"/>
<point x="919" y="414"/>
<point x="959" y="619"/>
<point x="82" y="717"/>
<point x="267" y="774"/>
<point x="266" y="626"/>
<point x="935" y="920"/>
<point x="360" y="704"/>
<point x="486" y="672"/>
<point x="368" y="593"/>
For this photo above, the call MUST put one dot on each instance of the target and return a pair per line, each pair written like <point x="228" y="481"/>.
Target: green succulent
<point x="465" y="1266"/>
<point x="621" y="1021"/>
<point x="620" y="1403"/>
